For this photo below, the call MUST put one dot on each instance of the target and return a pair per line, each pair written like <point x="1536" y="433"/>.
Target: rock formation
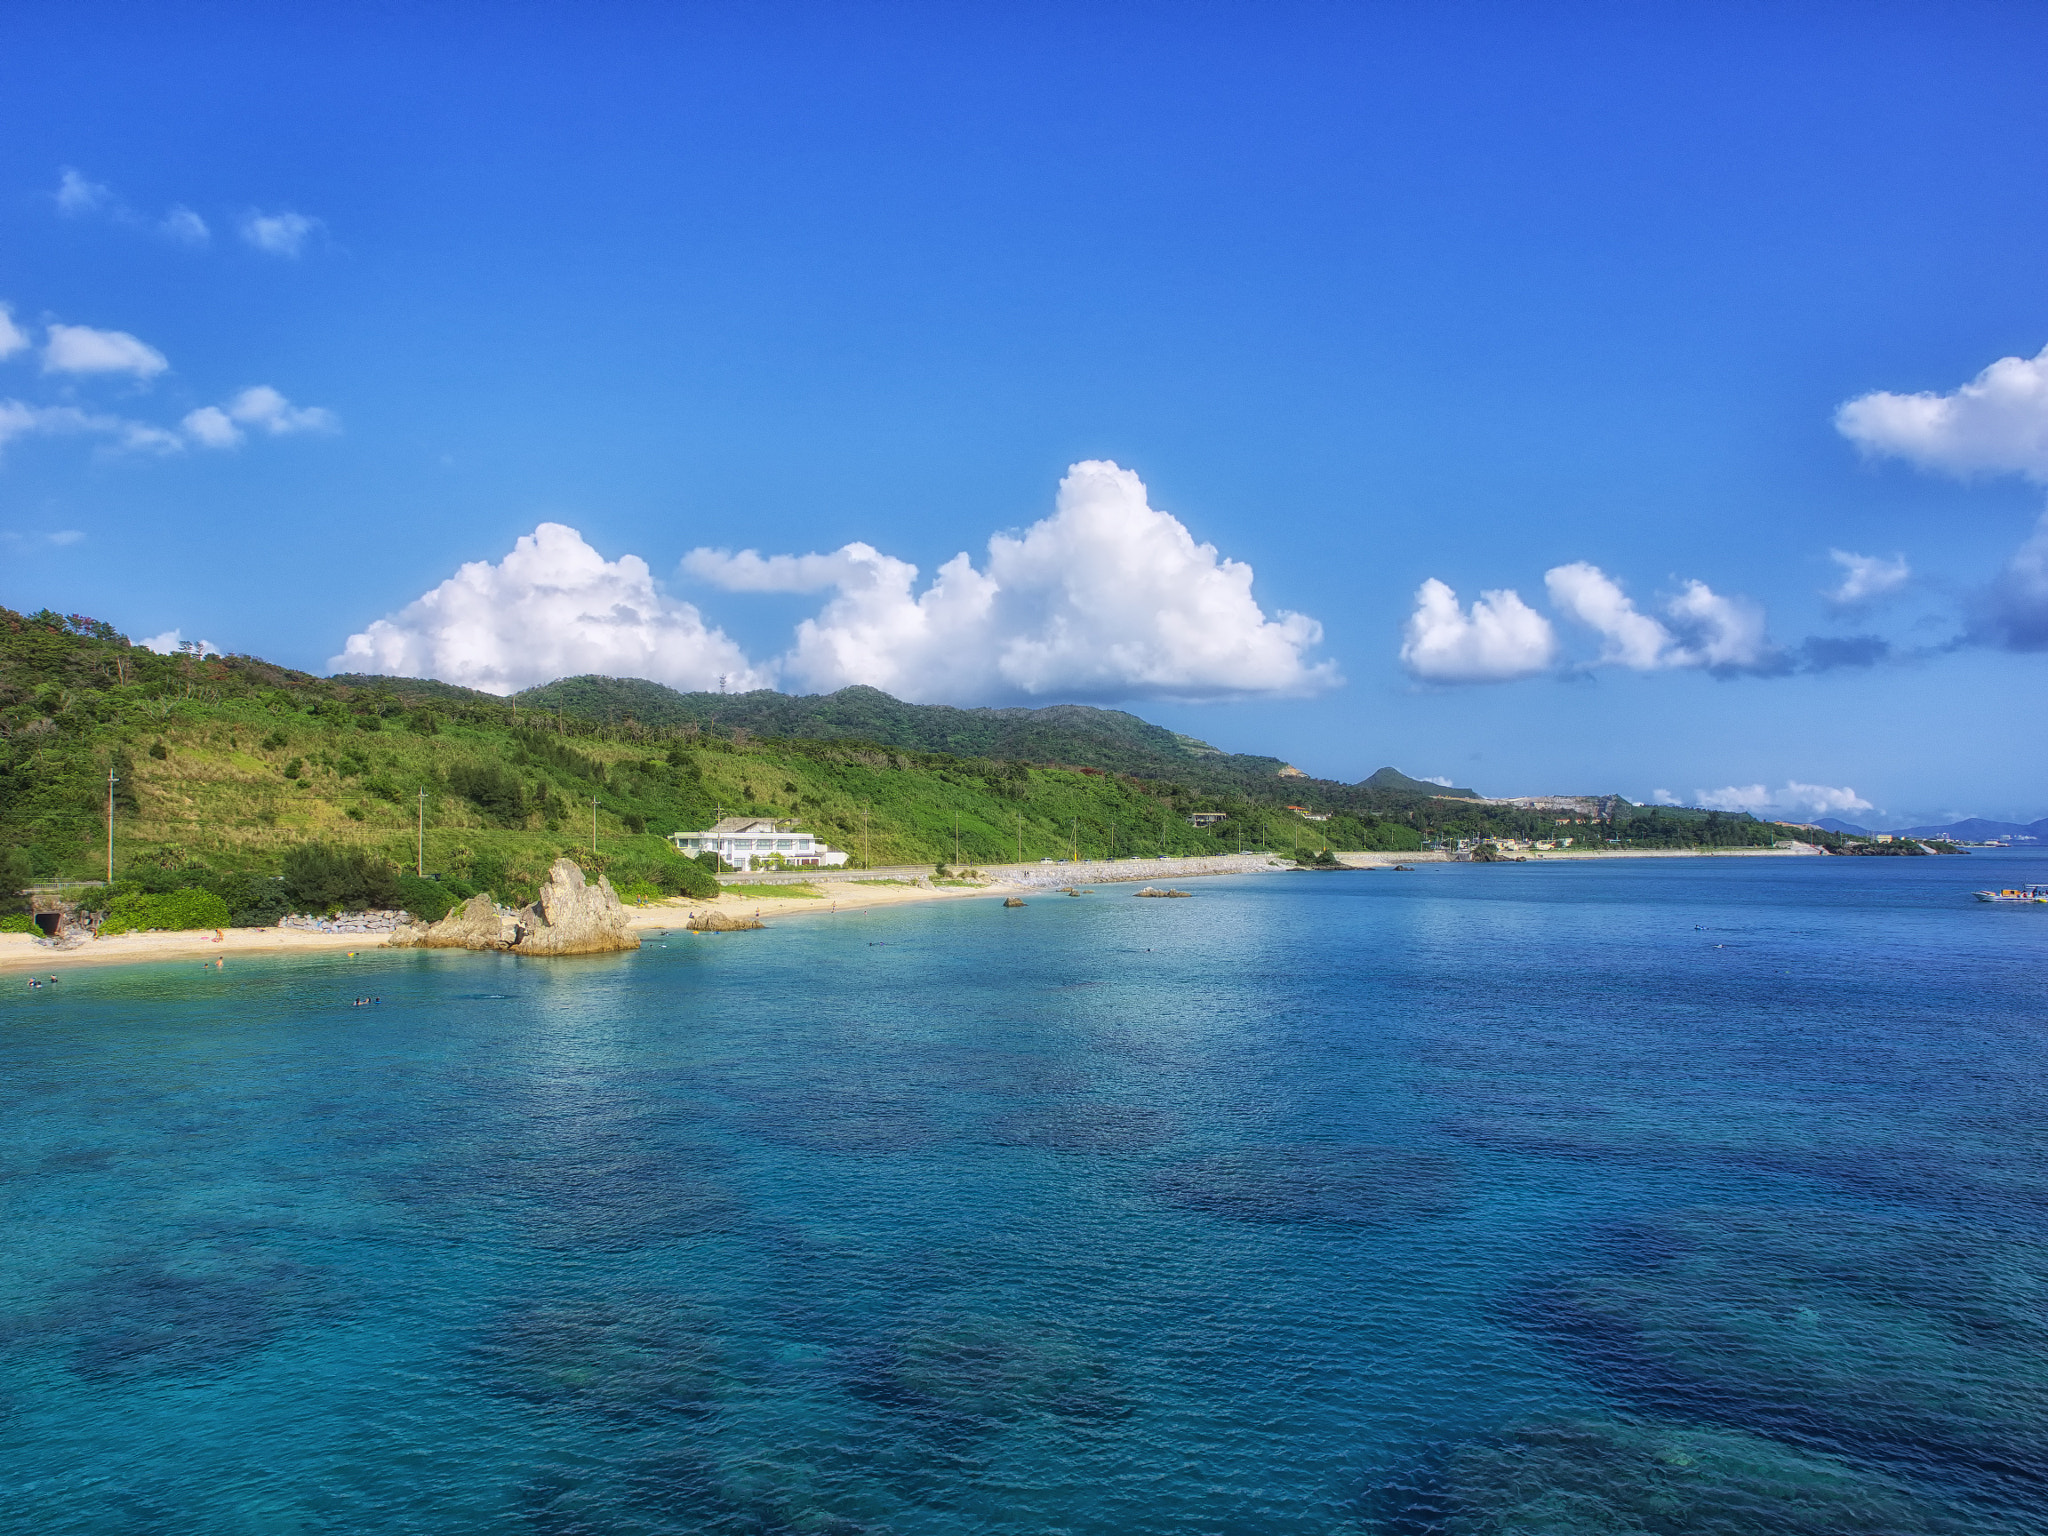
<point x="569" y="917"/>
<point x="1013" y="901"/>
<point x="572" y="918"/>
<point x="1149" y="891"/>
<point x="721" y="922"/>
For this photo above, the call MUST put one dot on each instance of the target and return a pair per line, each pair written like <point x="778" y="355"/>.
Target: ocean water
<point x="1668" y="1196"/>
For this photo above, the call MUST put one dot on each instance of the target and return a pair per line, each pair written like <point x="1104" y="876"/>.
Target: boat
<point x="2022" y="893"/>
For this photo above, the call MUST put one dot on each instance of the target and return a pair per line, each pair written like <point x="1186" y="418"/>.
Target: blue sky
<point x="1364" y="297"/>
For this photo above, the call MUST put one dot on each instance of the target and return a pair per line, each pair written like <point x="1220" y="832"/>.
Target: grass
<point x="775" y="892"/>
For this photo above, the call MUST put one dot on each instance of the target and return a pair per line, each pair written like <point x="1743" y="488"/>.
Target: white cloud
<point x="12" y="337"/>
<point x="1588" y="594"/>
<point x="554" y="607"/>
<point x="184" y="226"/>
<point x="1502" y="637"/>
<point x="1997" y="422"/>
<point x="173" y="641"/>
<point x="1725" y="634"/>
<point x="2013" y="612"/>
<point x="278" y="234"/>
<point x="1663" y="797"/>
<point x="1108" y="598"/>
<point x="75" y="195"/>
<point x="1866" y="578"/>
<point x="82" y="349"/>
<point x="1721" y="634"/>
<point x="1436" y="778"/>
<point x="1793" y="797"/>
<point x="260" y="409"/>
<point x="20" y="420"/>
<point x="65" y="536"/>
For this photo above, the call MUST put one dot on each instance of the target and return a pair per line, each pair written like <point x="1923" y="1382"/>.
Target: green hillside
<point x="232" y="767"/>
<point x="1075" y="734"/>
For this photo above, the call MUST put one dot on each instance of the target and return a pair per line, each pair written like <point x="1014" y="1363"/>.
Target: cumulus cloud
<point x="1998" y="422"/>
<point x="1501" y="638"/>
<point x="278" y="234"/>
<point x="1792" y="798"/>
<point x="82" y="349"/>
<point x="1722" y="634"/>
<point x="12" y="337"/>
<point x="184" y="226"/>
<point x="553" y="607"/>
<point x="1628" y="638"/>
<point x="76" y="195"/>
<point x="1866" y="578"/>
<point x="20" y="420"/>
<point x="1108" y="598"/>
<point x="172" y="641"/>
<point x="259" y="409"/>
<point x="1719" y="633"/>
<point x="2012" y="613"/>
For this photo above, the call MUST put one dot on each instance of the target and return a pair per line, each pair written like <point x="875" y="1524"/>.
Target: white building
<point x="746" y="842"/>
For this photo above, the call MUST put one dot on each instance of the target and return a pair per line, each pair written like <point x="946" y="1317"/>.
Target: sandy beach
<point x="853" y="896"/>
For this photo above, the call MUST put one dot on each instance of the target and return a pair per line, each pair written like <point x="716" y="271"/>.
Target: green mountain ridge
<point x="233" y="766"/>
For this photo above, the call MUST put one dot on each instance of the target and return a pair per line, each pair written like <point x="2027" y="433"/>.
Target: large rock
<point x="572" y="918"/>
<point x="569" y="917"/>
<point x="476" y="924"/>
<point x="722" y="922"/>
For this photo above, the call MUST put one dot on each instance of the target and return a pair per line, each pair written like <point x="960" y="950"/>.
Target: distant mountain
<point x="1972" y="829"/>
<point x="1074" y="734"/>
<point x="1392" y="781"/>
<point x="1976" y="830"/>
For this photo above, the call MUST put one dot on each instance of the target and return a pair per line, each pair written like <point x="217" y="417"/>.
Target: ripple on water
<point x="171" y="1313"/>
<point x="1908" y="1340"/>
<point x="1594" y="1477"/>
<point x="1083" y="1125"/>
<point x="635" y="1359"/>
<point x="1314" y="1184"/>
<point x="980" y="1371"/>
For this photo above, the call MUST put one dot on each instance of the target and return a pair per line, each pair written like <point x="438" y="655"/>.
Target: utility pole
<point x="422" y="869"/>
<point x="593" y="826"/>
<point x="111" y="781"/>
<point x="1074" y="848"/>
<point x="1020" y="837"/>
<point x="867" y="854"/>
<point x="956" y="839"/>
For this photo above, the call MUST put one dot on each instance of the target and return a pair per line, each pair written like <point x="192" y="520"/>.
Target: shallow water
<point x="1673" y="1196"/>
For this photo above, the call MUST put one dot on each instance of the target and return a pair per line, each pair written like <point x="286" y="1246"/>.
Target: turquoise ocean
<point x="1668" y="1196"/>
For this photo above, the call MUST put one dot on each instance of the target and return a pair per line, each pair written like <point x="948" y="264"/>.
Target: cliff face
<point x="569" y="917"/>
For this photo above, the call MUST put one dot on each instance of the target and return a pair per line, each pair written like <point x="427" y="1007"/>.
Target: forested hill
<point x="225" y="769"/>
<point x="1076" y="734"/>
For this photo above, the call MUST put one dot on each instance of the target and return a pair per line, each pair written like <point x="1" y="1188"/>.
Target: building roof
<point x="743" y="826"/>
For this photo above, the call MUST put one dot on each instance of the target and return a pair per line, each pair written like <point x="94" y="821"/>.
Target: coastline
<point x="847" y="896"/>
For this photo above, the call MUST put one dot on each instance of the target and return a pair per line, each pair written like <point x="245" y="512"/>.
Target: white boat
<point x="2024" y="893"/>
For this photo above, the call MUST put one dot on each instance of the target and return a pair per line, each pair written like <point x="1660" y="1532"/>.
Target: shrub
<point x="18" y="922"/>
<point x="175" y="911"/>
<point x="14" y="874"/>
<point x="427" y="900"/>
<point x="255" y="901"/>
<point x="272" y="742"/>
<point x="317" y="876"/>
<point x="490" y="788"/>
<point x="294" y="768"/>
<point x="159" y="751"/>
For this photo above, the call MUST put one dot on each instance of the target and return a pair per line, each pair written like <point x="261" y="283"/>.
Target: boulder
<point x="476" y="924"/>
<point x="570" y="917"/>
<point x="722" y="922"/>
<point x="1013" y="901"/>
<point x="1150" y="891"/>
